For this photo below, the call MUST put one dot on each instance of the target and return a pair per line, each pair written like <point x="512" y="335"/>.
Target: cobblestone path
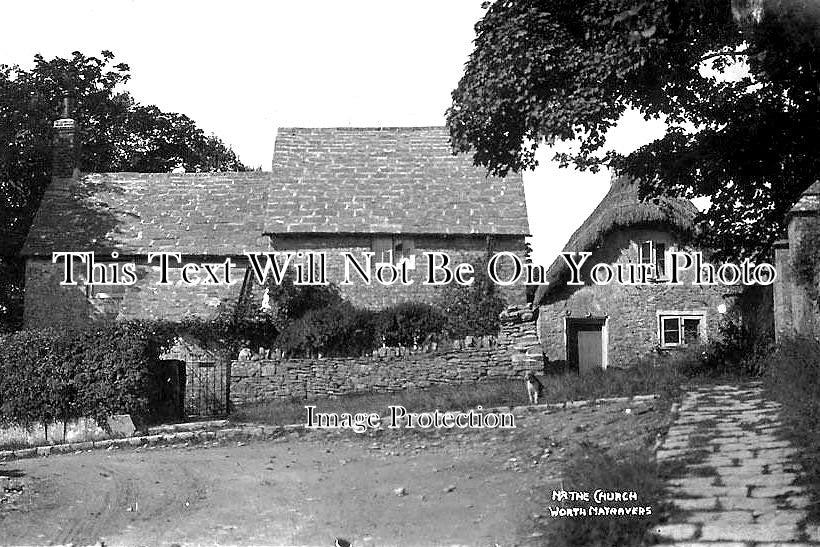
<point x="734" y="477"/>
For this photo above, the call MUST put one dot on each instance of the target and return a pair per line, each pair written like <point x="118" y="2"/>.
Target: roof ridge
<point x="363" y="127"/>
<point x="169" y="173"/>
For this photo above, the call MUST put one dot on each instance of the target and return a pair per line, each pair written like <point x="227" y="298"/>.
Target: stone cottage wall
<point x="459" y="248"/>
<point x="631" y="311"/>
<point x="783" y="292"/>
<point x="47" y="303"/>
<point x="796" y="312"/>
<point x="510" y="355"/>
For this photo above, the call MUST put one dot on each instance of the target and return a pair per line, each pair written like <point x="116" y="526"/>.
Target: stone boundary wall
<point x="519" y="338"/>
<point x="511" y="354"/>
<point x="72" y="431"/>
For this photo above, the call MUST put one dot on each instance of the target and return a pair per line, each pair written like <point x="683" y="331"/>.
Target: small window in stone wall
<point x="645" y="253"/>
<point x="392" y="249"/>
<point x="100" y="292"/>
<point x="679" y="330"/>
<point x="105" y="299"/>
<point x="651" y="252"/>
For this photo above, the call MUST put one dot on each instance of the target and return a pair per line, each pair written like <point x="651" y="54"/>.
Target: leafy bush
<point x="472" y="310"/>
<point x="342" y="330"/>
<point x="737" y="350"/>
<point x="28" y="374"/>
<point x="337" y="330"/>
<point x="746" y="334"/>
<point x="409" y="323"/>
<point x="292" y="300"/>
<point x="244" y="322"/>
<point x="93" y="372"/>
<point x="308" y="320"/>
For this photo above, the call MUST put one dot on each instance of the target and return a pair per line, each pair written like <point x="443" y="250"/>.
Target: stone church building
<point x="390" y="191"/>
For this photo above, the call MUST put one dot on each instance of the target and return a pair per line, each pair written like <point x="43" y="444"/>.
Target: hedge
<point x="49" y="375"/>
<point x="343" y="330"/>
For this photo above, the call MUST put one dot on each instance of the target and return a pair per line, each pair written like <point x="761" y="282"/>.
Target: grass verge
<point x="592" y="468"/>
<point x="793" y="379"/>
<point x="642" y="379"/>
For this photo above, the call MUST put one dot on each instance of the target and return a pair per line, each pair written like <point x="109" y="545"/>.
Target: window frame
<point x="657" y="257"/>
<point x="379" y="245"/>
<point x="681" y="316"/>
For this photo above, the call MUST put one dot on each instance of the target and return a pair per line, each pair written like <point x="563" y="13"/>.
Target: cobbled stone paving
<point x="733" y="476"/>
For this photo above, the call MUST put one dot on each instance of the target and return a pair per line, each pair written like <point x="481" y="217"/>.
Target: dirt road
<point x="387" y="488"/>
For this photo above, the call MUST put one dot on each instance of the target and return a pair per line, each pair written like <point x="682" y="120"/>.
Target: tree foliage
<point x="116" y="134"/>
<point x="736" y="80"/>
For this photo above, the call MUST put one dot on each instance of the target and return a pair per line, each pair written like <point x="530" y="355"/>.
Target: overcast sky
<point x="241" y="69"/>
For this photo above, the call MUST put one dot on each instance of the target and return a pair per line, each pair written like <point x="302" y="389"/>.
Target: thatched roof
<point x="620" y="208"/>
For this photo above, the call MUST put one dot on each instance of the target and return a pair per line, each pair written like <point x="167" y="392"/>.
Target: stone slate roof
<point x="619" y="208"/>
<point x="809" y="201"/>
<point x="387" y="180"/>
<point x="137" y="213"/>
<point x="394" y="180"/>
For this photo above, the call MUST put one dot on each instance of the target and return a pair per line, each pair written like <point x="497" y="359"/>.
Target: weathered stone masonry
<point x="631" y="310"/>
<point x="796" y="312"/>
<point x="509" y="355"/>
<point x="457" y="247"/>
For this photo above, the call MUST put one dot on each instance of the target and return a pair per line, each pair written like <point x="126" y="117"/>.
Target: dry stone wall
<point x="509" y="355"/>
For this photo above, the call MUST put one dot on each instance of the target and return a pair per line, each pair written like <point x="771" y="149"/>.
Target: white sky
<point x="240" y="69"/>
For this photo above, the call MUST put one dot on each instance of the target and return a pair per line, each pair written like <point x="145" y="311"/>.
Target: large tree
<point x="738" y="82"/>
<point x="116" y="134"/>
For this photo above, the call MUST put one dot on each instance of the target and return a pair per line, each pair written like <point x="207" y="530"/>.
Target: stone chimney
<point x="66" y="148"/>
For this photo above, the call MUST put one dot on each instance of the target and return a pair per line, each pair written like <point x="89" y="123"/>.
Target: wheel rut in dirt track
<point x="477" y="487"/>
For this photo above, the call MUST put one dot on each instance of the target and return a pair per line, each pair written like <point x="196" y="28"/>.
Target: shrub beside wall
<point x="49" y="375"/>
<point x="308" y="321"/>
<point x="472" y="310"/>
<point x="342" y="330"/>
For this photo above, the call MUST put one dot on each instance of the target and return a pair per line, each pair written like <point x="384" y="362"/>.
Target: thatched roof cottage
<point x="612" y="325"/>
